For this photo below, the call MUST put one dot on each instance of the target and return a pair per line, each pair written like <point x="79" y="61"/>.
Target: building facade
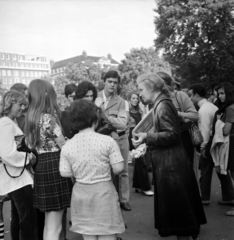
<point x="58" y="68"/>
<point x="21" y="68"/>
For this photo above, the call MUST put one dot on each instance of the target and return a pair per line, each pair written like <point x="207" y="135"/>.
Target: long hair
<point x="137" y="108"/>
<point x="229" y="93"/>
<point x="42" y="99"/>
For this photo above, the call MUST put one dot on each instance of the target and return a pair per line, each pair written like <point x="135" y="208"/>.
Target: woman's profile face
<point x="221" y="95"/>
<point x="145" y="93"/>
<point x="17" y="109"/>
<point x="134" y="100"/>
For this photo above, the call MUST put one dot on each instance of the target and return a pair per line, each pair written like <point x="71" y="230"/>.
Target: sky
<point x="63" y="29"/>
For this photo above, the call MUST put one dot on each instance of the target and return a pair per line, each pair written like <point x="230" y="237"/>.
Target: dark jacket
<point x="178" y="207"/>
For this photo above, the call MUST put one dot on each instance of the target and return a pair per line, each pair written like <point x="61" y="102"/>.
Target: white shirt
<point x="89" y="156"/>
<point x="206" y="114"/>
<point x="106" y="100"/>
<point x="13" y="159"/>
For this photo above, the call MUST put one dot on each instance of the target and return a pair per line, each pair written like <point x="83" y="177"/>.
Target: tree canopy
<point x="197" y="38"/>
<point x="141" y="60"/>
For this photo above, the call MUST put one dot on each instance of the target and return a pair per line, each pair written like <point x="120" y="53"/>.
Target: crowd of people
<point x="53" y="159"/>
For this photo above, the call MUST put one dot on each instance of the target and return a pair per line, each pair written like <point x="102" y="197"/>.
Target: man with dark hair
<point x="206" y="112"/>
<point x="69" y="92"/>
<point x="113" y="107"/>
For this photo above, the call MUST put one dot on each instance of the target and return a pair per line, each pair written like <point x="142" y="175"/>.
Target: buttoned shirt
<point x="206" y="114"/>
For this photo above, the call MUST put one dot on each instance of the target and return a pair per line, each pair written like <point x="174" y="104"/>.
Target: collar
<point x="201" y="102"/>
<point x="105" y="98"/>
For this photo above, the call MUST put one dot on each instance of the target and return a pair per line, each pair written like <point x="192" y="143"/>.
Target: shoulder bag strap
<point x="22" y="169"/>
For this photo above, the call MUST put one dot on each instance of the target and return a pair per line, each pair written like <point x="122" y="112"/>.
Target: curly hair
<point x="9" y="98"/>
<point x="83" y="88"/>
<point x="83" y="114"/>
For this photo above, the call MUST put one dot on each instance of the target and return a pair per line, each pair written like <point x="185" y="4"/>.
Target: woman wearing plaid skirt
<point x="52" y="193"/>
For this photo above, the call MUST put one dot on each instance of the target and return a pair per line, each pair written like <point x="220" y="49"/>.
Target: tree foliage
<point x="141" y="60"/>
<point x="197" y="38"/>
<point x="85" y="71"/>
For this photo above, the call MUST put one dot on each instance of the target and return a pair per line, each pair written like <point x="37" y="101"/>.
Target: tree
<point x="197" y="38"/>
<point x="139" y="61"/>
<point x="85" y="71"/>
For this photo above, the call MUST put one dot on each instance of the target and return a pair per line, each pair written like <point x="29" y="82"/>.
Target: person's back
<point x="91" y="162"/>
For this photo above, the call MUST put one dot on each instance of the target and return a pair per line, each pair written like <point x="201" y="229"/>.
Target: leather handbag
<point x="196" y="135"/>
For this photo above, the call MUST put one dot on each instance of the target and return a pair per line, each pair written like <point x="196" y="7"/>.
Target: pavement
<point x="140" y="221"/>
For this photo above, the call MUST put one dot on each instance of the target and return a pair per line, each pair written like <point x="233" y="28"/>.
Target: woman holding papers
<point x="178" y="208"/>
<point x="141" y="181"/>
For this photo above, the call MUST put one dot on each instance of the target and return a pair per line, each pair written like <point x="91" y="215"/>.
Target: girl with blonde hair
<point x="52" y="193"/>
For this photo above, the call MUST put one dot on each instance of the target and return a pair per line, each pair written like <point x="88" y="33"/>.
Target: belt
<point x="121" y="133"/>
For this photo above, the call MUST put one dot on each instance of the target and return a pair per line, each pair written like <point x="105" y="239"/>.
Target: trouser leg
<point x="226" y="186"/>
<point x="206" y="166"/>
<point x="123" y="177"/>
<point x="23" y="214"/>
<point x="141" y="176"/>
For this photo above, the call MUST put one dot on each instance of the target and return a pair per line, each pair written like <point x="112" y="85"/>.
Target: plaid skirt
<point x="51" y="191"/>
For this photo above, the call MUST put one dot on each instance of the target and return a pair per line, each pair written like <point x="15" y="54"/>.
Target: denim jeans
<point x="23" y="215"/>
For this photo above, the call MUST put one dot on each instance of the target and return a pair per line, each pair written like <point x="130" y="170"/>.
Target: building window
<point x="36" y="74"/>
<point x="16" y="80"/>
<point x="7" y="57"/>
<point x="22" y="73"/>
<point x="23" y="81"/>
<point x="4" y="80"/>
<point x="10" y="81"/>
<point x="9" y="73"/>
<point x="14" y="57"/>
<point x="16" y="73"/>
<point x="7" y="64"/>
<point x="31" y="74"/>
<point x="33" y="65"/>
<point x="19" y="64"/>
<point x="27" y="73"/>
<point x="2" y="56"/>
<point x="3" y="72"/>
<point x="19" y="57"/>
<point x="29" y="65"/>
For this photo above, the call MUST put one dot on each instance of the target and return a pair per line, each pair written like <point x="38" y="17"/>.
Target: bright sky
<point x="63" y="29"/>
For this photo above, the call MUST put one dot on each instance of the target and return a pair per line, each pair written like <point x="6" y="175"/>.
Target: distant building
<point x="22" y="68"/>
<point x="58" y="68"/>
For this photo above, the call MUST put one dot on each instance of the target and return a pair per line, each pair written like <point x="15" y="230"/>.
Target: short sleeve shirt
<point x="49" y="131"/>
<point x="229" y="117"/>
<point x="89" y="157"/>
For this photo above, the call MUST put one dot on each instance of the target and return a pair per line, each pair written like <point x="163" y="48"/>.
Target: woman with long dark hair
<point x="226" y="114"/>
<point x="141" y="181"/>
<point x="52" y="193"/>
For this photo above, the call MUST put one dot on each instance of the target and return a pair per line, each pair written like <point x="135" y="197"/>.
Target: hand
<point x="203" y="151"/>
<point x="33" y="159"/>
<point x="99" y="101"/>
<point x="219" y="116"/>
<point x="140" y="138"/>
<point x="217" y="169"/>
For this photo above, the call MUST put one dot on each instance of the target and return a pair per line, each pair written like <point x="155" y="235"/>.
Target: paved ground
<point x="140" y="220"/>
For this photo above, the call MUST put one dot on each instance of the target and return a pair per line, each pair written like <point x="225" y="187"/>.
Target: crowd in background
<point x="78" y="157"/>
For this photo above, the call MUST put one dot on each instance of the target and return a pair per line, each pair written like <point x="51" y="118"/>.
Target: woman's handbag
<point x="196" y="135"/>
<point x="21" y="147"/>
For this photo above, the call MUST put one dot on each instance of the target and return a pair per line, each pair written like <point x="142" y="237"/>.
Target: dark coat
<point x="178" y="208"/>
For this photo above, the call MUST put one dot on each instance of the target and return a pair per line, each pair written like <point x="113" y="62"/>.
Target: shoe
<point x="227" y="203"/>
<point x="148" y="193"/>
<point x="125" y="206"/>
<point x="138" y="190"/>
<point x="230" y="213"/>
<point x="205" y="202"/>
